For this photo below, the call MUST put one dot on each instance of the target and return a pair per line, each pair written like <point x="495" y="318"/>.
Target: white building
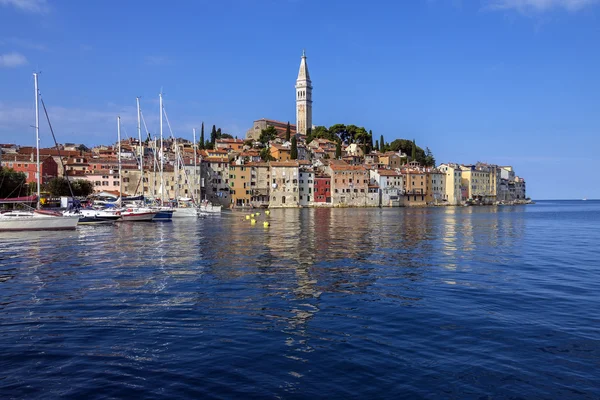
<point x="452" y="183"/>
<point x="284" y="184"/>
<point x="306" y="186"/>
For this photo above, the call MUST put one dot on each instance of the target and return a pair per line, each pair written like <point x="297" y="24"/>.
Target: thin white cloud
<point x="32" y="6"/>
<point x="11" y="60"/>
<point x="538" y="6"/>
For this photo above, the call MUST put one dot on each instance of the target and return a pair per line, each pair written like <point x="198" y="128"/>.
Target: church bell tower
<point x="303" y="98"/>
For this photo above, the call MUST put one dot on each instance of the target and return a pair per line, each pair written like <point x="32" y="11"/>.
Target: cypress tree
<point x="381" y="144"/>
<point x="287" y="132"/>
<point x="376" y="145"/>
<point x="201" y="144"/>
<point x="213" y="136"/>
<point x="414" y="151"/>
<point x="294" y="150"/>
<point x="338" y="150"/>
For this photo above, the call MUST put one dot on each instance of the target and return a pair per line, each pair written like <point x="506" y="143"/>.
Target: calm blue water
<point x="468" y="302"/>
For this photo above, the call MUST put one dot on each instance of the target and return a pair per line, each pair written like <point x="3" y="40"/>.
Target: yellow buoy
<point x="247" y="217"/>
<point x="252" y="221"/>
<point x="265" y="224"/>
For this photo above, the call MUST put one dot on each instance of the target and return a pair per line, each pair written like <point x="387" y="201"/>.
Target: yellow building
<point x="280" y="153"/>
<point x="239" y="185"/>
<point x="415" y="187"/>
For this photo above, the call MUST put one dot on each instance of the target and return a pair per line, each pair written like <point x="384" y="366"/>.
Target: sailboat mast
<point x="119" y="150"/>
<point x="176" y="170"/>
<point x="195" y="162"/>
<point x="37" y="137"/>
<point x="162" y="154"/>
<point x="141" y="146"/>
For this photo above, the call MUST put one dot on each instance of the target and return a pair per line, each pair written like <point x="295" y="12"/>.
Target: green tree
<point x="201" y="143"/>
<point x="12" y="183"/>
<point x="321" y="132"/>
<point x="266" y="135"/>
<point x="58" y="186"/>
<point x="219" y="134"/>
<point x="309" y="136"/>
<point x="382" y="144"/>
<point x="413" y="154"/>
<point x="83" y="148"/>
<point x="288" y="132"/>
<point x="376" y="145"/>
<point x="429" y="160"/>
<point x="226" y="136"/>
<point x="213" y="137"/>
<point x="265" y="155"/>
<point x="294" y="149"/>
<point x="82" y="188"/>
<point x="338" y="150"/>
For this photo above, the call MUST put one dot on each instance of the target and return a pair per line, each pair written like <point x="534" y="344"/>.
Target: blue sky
<point x="503" y="81"/>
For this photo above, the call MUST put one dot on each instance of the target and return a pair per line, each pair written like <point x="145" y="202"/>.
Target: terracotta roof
<point x="215" y="159"/>
<point x="284" y="164"/>
<point x="388" y="172"/>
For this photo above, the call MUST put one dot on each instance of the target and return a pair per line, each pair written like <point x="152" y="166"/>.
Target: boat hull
<point x="137" y="216"/>
<point x="186" y="212"/>
<point x="210" y="209"/>
<point x="37" y="222"/>
<point x="164" y="215"/>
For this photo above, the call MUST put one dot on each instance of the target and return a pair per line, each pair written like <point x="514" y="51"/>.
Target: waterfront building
<point x="239" y="185"/>
<point x="215" y="180"/>
<point x="306" y="184"/>
<point x="452" y="183"/>
<point x="349" y="184"/>
<point x="480" y="182"/>
<point x="388" y="184"/>
<point x="303" y="98"/>
<point x="520" y="192"/>
<point x="322" y="189"/>
<point x="415" y="186"/>
<point x="284" y="184"/>
<point x="436" y="187"/>
<point x="260" y="178"/>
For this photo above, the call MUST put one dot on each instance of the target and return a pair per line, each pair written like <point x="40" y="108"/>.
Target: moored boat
<point x="36" y="220"/>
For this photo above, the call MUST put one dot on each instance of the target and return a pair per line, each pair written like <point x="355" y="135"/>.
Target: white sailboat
<point x="131" y="212"/>
<point x="185" y="207"/>
<point x="37" y="219"/>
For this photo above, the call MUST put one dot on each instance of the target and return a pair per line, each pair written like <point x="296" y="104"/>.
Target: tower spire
<point x="303" y="97"/>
